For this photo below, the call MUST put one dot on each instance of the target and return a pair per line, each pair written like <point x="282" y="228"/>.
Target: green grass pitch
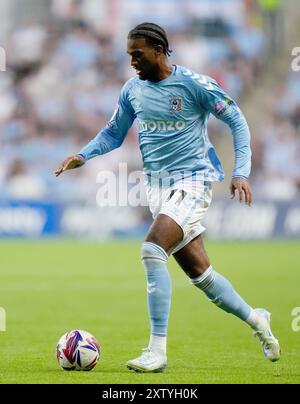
<point x="51" y="287"/>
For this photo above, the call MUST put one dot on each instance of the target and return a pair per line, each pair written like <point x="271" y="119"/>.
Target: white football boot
<point x="148" y="362"/>
<point x="270" y="344"/>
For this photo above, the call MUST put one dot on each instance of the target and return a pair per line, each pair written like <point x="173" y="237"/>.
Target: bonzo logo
<point x="161" y="126"/>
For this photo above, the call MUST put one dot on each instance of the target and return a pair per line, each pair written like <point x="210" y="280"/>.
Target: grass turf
<point x="49" y="288"/>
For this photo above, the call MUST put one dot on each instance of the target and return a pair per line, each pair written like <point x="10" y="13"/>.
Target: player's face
<point x="144" y="58"/>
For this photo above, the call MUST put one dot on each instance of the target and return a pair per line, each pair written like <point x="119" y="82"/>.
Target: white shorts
<point x="185" y="202"/>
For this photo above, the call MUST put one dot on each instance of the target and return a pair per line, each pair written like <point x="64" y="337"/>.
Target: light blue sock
<point x="220" y="291"/>
<point x="158" y="287"/>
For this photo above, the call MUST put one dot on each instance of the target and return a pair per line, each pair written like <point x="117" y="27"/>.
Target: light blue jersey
<point x="172" y="116"/>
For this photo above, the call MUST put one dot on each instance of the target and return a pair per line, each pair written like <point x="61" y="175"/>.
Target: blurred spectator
<point x="281" y="161"/>
<point x="27" y="45"/>
<point x="273" y="24"/>
<point x="77" y="50"/>
<point x="23" y="184"/>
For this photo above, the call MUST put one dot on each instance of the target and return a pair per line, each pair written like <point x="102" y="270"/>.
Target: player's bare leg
<point x="165" y="232"/>
<point x="162" y="237"/>
<point x="194" y="261"/>
<point x="193" y="258"/>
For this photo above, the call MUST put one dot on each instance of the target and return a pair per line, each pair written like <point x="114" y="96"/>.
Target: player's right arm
<point x="108" y="139"/>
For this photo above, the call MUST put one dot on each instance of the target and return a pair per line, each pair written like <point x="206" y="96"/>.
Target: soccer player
<point x="172" y="105"/>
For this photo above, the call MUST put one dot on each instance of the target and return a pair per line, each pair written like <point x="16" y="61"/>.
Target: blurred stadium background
<point x="66" y="62"/>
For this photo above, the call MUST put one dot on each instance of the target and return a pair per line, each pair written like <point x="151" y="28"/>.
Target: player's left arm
<point x="223" y="107"/>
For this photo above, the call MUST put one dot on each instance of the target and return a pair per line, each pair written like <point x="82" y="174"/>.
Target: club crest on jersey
<point x="175" y="104"/>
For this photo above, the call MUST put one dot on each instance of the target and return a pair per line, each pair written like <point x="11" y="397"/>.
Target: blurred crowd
<point x="276" y="159"/>
<point x="64" y="77"/>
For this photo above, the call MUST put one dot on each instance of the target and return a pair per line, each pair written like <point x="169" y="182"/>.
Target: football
<point x="78" y="350"/>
